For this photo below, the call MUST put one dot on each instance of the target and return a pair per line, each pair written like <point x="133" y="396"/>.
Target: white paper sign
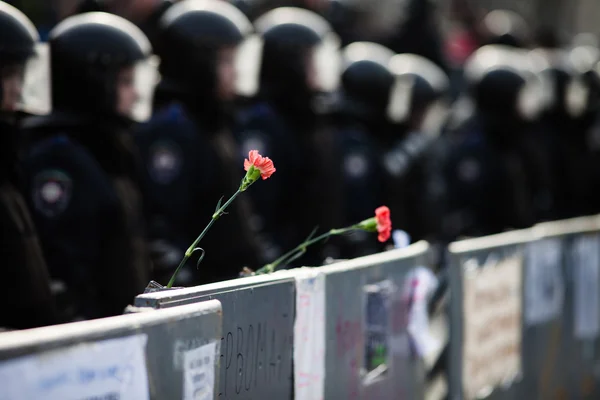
<point x="309" y="336"/>
<point x="199" y="372"/>
<point x="544" y="284"/>
<point x="418" y="286"/>
<point x="492" y="325"/>
<point x="113" y="369"/>
<point x="586" y="268"/>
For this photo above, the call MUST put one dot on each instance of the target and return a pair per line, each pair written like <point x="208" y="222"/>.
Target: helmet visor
<point x="34" y="94"/>
<point x="145" y="79"/>
<point x="247" y="65"/>
<point x="327" y="63"/>
<point x="400" y="100"/>
<point x="323" y="65"/>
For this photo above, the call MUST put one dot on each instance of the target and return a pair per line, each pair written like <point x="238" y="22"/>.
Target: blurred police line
<point x="124" y="128"/>
<point x="521" y="320"/>
<point x="120" y="134"/>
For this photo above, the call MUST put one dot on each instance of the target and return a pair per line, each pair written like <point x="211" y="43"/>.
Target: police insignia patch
<point x="395" y="162"/>
<point x="356" y="165"/>
<point x="51" y="192"/>
<point x="165" y="162"/>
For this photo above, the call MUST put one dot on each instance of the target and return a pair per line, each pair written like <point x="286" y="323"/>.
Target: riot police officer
<point x="418" y="106"/>
<point x="392" y="110"/>
<point x="299" y="65"/>
<point x="417" y="31"/>
<point x="571" y="125"/>
<point x="360" y="117"/>
<point x="409" y="26"/>
<point x="81" y="168"/>
<point x="497" y="173"/>
<point x="26" y="296"/>
<point x="188" y="148"/>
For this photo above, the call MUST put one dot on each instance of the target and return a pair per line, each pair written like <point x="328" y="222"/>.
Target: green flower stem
<point x="302" y="247"/>
<point x="192" y="248"/>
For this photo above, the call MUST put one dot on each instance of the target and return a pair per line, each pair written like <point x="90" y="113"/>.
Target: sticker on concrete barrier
<point x="585" y="255"/>
<point x="378" y="298"/>
<point x="199" y="372"/>
<point x="492" y="325"/>
<point x="309" y="336"/>
<point x="544" y="284"/>
<point x="419" y="284"/>
<point x="108" y="369"/>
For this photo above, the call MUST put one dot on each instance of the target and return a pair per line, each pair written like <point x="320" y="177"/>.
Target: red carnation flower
<point x="384" y="223"/>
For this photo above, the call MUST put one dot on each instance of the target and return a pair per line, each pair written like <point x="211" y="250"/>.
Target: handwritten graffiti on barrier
<point x="253" y="356"/>
<point x="349" y="338"/>
<point x="108" y="396"/>
<point x="492" y="324"/>
<point x="113" y="369"/>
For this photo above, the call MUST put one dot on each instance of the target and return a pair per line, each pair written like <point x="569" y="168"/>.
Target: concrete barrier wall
<point x="257" y="341"/>
<point x="314" y="324"/>
<point x="524" y="323"/>
<point x="166" y="354"/>
<point x="555" y="353"/>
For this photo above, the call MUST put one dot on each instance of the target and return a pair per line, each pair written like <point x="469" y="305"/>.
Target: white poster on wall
<point x="418" y="286"/>
<point x="544" y="283"/>
<point x="199" y="372"/>
<point x="309" y="336"/>
<point x="585" y="255"/>
<point x="108" y="369"/>
<point x="492" y="309"/>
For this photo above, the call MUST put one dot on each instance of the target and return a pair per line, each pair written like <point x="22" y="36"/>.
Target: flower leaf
<point x="219" y="204"/>
<point x="201" y="256"/>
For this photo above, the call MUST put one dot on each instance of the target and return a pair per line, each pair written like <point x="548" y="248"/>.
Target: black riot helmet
<point x="506" y="28"/>
<point x="583" y="90"/>
<point x="143" y="13"/>
<point x="420" y="96"/>
<point x="17" y="33"/>
<point x="503" y="82"/>
<point x="88" y="52"/>
<point x="366" y="80"/>
<point x="191" y="34"/>
<point x="24" y="58"/>
<point x="554" y="67"/>
<point x="300" y="54"/>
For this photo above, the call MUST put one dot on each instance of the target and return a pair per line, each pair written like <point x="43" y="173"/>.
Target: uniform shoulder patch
<point x="165" y="161"/>
<point x="52" y="190"/>
<point x="396" y="162"/>
<point x="356" y="165"/>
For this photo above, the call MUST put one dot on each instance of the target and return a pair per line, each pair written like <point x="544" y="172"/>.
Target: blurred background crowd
<point x="124" y="121"/>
